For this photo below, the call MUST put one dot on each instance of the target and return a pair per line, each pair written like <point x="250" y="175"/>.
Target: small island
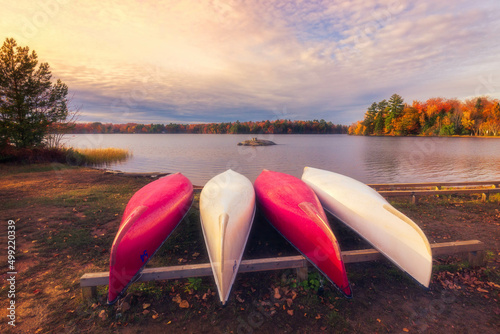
<point x="256" y="142"/>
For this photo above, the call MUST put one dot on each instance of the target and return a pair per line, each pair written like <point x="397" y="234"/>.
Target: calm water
<point x="368" y="159"/>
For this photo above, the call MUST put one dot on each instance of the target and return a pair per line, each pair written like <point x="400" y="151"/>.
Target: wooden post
<point x="485" y="196"/>
<point x="477" y="258"/>
<point x="302" y="274"/>
<point x="89" y="292"/>
<point x="414" y="199"/>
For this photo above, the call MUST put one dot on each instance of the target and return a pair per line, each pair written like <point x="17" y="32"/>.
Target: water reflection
<point x="368" y="159"/>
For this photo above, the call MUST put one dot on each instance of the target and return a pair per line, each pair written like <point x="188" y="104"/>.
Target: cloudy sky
<point x="227" y="60"/>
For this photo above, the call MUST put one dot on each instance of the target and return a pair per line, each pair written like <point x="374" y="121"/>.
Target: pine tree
<point x="396" y="105"/>
<point x="29" y="102"/>
<point x="369" y="121"/>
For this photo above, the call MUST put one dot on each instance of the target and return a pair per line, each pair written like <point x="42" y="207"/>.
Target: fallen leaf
<point x="318" y="317"/>
<point x="169" y="322"/>
<point x="177" y="299"/>
<point x="406" y="330"/>
<point x="493" y="285"/>
<point x="196" y="254"/>
<point x="103" y="315"/>
<point x="289" y="302"/>
<point x="155" y="316"/>
<point x="379" y="320"/>
<point x="294" y="294"/>
<point x="204" y="296"/>
<point x="184" y="304"/>
<point x="239" y="299"/>
<point x="277" y="293"/>
<point x="125" y="306"/>
<point x="290" y="312"/>
<point x="145" y="312"/>
<point x="145" y="306"/>
<point x="482" y="290"/>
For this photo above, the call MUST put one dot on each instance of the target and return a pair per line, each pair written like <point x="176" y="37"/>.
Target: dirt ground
<point x="66" y="218"/>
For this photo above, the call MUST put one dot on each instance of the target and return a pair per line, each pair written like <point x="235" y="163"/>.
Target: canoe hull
<point x="227" y="209"/>
<point x="149" y="218"/>
<point x="296" y="213"/>
<point x="373" y="218"/>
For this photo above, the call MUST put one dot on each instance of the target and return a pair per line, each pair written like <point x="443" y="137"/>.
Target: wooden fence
<point x="415" y="190"/>
<point x="474" y="250"/>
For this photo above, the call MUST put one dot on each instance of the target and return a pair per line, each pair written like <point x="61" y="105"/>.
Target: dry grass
<point x="99" y="156"/>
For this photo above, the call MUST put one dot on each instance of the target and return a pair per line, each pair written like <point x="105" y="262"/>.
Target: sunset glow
<point x="211" y="61"/>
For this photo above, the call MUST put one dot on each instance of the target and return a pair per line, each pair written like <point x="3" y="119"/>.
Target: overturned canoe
<point x="227" y="209"/>
<point x="295" y="211"/>
<point x="149" y="218"/>
<point x="373" y="218"/>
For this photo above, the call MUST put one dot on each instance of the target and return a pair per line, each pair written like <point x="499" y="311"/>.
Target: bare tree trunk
<point x="54" y="138"/>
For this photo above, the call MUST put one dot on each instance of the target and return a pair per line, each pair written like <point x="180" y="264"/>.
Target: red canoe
<point x="150" y="216"/>
<point x="295" y="211"/>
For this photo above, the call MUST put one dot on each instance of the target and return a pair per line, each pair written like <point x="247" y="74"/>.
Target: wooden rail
<point x="150" y="175"/>
<point x="89" y="281"/>
<point x="415" y="190"/>
<point x="438" y="185"/>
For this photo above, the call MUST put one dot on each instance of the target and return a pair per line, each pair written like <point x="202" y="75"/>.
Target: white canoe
<point x="373" y="218"/>
<point x="227" y="209"/>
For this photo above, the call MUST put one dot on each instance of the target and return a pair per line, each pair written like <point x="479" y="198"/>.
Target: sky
<point x="216" y="61"/>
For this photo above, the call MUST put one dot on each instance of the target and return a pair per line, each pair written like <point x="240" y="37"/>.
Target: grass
<point x="63" y="155"/>
<point x="97" y="156"/>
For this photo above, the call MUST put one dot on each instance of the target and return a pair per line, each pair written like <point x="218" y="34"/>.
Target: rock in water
<point x="256" y="142"/>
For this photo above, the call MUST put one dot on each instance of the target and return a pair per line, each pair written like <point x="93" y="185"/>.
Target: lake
<point x="368" y="159"/>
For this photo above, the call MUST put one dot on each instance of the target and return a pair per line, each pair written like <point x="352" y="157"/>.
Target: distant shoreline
<point x="434" y="136"/>
<point x="286" y="134"/>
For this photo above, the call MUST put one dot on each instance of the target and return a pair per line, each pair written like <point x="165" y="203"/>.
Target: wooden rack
<point x="415" y="190"/>
<point x="474" y="250"/>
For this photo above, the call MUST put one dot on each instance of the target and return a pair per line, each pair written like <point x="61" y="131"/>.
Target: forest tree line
<point x="262" y="127"/>
<point x="434" y="117"/>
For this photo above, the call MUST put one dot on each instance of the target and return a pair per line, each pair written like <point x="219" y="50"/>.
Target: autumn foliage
<point x="434" y="117"/>
<point x="262" y="127"/>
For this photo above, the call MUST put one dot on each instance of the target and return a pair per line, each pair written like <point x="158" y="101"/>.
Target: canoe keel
<point x="367" y="213"/>
<point x="293" y="209"/>
<point x="149" y="218"/>
<point x="227" y="209"/>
